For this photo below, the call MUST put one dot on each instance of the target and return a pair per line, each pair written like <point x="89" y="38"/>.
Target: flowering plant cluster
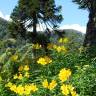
<point x="42" y="74"/>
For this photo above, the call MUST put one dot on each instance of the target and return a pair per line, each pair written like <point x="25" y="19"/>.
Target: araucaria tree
<point x="90" y="5"/>
<point x="30" y="13"/>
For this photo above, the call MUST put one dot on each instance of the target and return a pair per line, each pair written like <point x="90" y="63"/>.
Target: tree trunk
<point x="34" y="23"/>
<point x="90" y="37"/>
<point x="34" y="33"/>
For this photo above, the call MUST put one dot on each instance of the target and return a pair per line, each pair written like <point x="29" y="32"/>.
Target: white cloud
<point x="6" y="17"/>
<point x="1" y="14"/>
<point x="75" y="27"/>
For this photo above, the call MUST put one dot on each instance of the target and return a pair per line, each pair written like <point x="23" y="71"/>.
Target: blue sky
<point x="72" y="15"/>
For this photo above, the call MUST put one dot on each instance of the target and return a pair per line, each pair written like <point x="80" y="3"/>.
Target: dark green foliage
<point x="3" y="29"/>
<point x="17" y="30"/>
<point x="85" y="80"/>
<point x="86" y="4"/>
<point x="29" y="13"/>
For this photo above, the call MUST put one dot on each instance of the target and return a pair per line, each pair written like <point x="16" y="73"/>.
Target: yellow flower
<point x="60" y="49"/>
<point x="27" y="75"/>
<point x="33" y="87"/>
<point x="54" y="46"/>
<point x="26" y="68"/>
<point x="60" y="40"/>
<point x="20" y="76"/>
<point x="65" y="40"/>
<point x="42" y="61"/>
<point x="36" y="46"/>
<point x="27" y="89"/>
<point x="20" y="68"/>
<point x="63" y="49"/>
<point x="52" y="85"/>
<point x="64" y="89"/>
<point x="70" y="87"/>
<point x="64" y="74"/>
<point x="13" y="88"/>
<point x="73" y="93"/>
<point x="20" y="90"/>
<point x="14" y="58"/>
<point x="15" y="77"/>
<point x="47" y="59"/>
<point x="45" y="83"/>
<point x="8" y="84"/>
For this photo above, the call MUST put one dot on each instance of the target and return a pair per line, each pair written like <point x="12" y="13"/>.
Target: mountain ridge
<point x="71" y="33"/>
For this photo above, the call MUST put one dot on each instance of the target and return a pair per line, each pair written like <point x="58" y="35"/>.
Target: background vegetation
<point x="48" y="63"/>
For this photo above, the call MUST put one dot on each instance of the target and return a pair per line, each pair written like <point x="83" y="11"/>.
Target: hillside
<point x="74" y="35"/>
<point x="3" y="28"/>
